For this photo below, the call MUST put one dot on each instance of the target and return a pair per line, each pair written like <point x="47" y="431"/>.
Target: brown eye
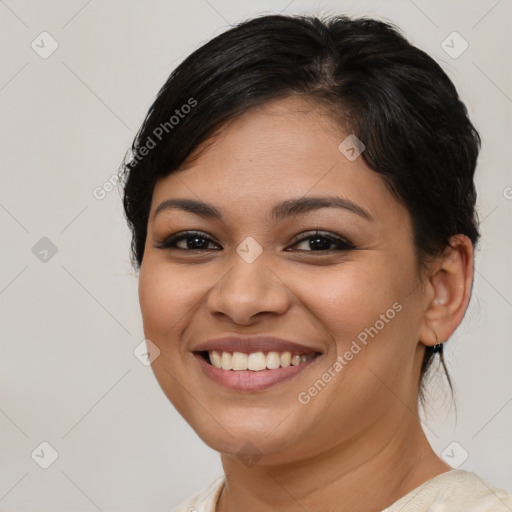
<point x="323" y="242"/>
<point x="188" y="241"/>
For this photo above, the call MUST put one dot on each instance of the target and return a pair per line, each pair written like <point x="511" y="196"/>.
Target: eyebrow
<point x="279" y="212"/>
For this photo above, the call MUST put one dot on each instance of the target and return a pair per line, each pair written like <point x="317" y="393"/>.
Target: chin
<point x="244" y="438"/>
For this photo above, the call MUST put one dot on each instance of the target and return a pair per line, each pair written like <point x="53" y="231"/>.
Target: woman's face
<point x="260" y="267"/>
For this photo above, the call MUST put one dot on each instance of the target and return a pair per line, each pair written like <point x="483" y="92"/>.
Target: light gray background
<point x="69" y="325"/>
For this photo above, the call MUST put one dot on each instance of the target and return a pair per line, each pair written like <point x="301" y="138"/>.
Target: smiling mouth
<point x="255" y="361"/>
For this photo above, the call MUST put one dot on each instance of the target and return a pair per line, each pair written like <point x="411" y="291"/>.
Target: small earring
<point x="438" y="347"/>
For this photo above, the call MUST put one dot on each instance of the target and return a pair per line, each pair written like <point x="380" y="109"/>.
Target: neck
<point x="369" y="473"/>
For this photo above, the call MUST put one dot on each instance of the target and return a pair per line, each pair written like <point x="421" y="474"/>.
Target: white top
<point x="456" y="490"/>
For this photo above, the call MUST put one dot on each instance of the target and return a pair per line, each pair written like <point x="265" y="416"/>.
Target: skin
<point x="338" y="448"/>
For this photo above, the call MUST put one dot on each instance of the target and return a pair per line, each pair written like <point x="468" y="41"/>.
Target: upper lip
<point x="253" y="344"/>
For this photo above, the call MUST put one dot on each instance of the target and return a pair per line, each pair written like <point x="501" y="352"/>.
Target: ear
<point x="447" y="291"/>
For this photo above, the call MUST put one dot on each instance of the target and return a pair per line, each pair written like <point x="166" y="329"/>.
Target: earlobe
<point x="450" y="289"/>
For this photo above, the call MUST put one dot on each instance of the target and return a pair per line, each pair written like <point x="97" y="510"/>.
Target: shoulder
<point x="205" y="501"/>
<point x="457" y="490"/>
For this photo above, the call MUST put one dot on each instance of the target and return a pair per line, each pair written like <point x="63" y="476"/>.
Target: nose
<point x="248" y="290"/>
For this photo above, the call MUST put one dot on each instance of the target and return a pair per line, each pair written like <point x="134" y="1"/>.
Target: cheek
<point x="367" y="318"/>
<point x="353" y="300"/>
<point x="368" y="314"/>
<point x="165" y="298"/>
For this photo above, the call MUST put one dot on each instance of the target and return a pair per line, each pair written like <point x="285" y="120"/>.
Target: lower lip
<point x="248" y="380"/>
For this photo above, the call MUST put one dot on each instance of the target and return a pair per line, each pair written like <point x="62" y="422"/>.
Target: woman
<point x="302" y="202"/>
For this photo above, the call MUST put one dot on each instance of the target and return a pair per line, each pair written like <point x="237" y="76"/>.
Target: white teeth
<point x="239" y="361"/>
<point x="273" y="360"/>
<point x="286" y="358"/>
<point x="295" y="360"/>
<point x="216" y="359"/>
<point x="226" y="360"/>
<point x="256" y="361"/>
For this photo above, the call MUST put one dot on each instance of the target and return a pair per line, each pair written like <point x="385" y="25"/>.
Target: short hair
<point x="391" y="95"/>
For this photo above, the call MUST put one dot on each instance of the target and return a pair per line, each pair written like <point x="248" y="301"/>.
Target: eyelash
<point x="171" y="241"/>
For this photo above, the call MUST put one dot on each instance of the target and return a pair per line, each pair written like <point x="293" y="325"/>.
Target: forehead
<point x="284" y="148"/>
<point x="282" y="130"/>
